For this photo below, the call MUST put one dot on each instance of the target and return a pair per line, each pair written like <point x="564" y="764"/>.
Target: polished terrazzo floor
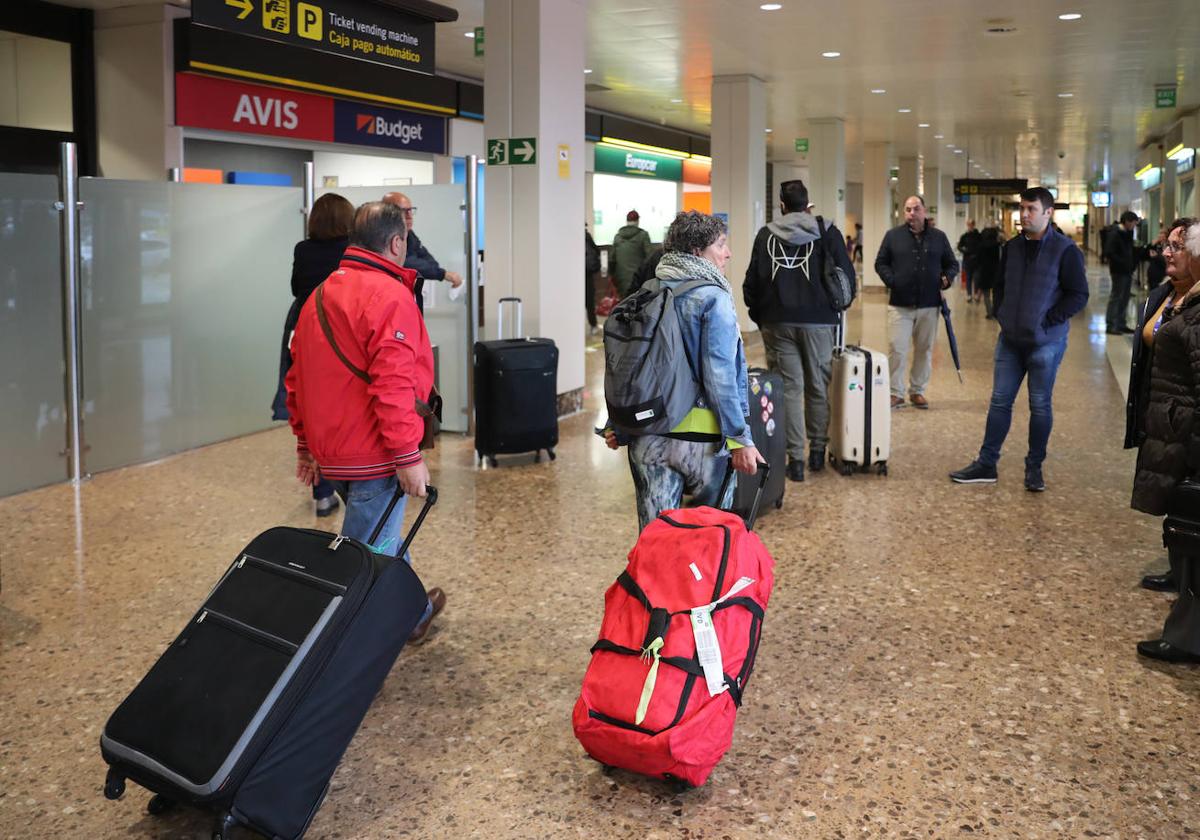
<point x="938" y="661"/>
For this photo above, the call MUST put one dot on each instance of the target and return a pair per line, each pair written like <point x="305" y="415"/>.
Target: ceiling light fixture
<point x="676" y="101"/>
<point x="771" y="7"/>
<point x="1065" y="95"/>
<point x="939" y="137"/>
<point x="922" y="125"/>
<point x="831" y="54"/>
<point x="1144" y="171"/>
<point x="469" y="34"/>
<point x="587" y="70"/>
<point x="768" y="130"/>
<point x="630" y="145"/>
<point x="878" y="90"/>
<point x="1180" y="152"/>
<point x="1070" y="16"/>
<point x="904" y="111"/>
<point x="958" y="151"/>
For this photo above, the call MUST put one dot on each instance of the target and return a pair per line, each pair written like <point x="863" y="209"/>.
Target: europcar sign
<point x="641" y="164"/>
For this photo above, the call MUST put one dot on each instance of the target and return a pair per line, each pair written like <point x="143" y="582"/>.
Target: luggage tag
<point x="708" y="647"/>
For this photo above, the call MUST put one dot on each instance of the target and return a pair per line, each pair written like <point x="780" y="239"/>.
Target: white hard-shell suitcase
<point x="860" y="423"/>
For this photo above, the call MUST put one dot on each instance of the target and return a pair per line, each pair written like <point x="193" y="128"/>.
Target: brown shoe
<point x="897" y="402"/>
<point x="919" y="401"/>
<point x="438" y="599"/>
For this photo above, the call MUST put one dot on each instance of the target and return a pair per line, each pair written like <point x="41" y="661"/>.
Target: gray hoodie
<point x="783" y="281"/>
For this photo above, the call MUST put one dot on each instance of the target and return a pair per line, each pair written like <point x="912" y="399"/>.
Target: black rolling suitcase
<point x="250" y="709"/>
<point x="768" y="428"/>
<point x="516" y="393"/>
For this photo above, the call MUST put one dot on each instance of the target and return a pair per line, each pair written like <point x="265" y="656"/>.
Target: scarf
<point x="676" y="265"/>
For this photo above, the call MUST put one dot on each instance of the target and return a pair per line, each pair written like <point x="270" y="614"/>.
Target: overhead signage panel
<point x="967" y="188"/>
<point x="350" y="28"/>
<point x="641" y="164"/>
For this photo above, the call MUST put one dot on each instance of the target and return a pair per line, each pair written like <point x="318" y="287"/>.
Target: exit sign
<point x="802" y="144"/>
<point x="1164" y="97"/>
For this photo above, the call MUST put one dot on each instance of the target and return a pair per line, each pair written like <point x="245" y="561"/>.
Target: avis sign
<point x="512" y="151"/>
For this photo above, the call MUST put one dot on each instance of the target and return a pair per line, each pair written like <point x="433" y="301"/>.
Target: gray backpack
<point x="650" y="383"/>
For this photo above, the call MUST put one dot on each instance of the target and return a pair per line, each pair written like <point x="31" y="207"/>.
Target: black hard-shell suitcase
<point x="768" y="428"/>
<point x="250" y="709"/>
<point x="516" y="394"/>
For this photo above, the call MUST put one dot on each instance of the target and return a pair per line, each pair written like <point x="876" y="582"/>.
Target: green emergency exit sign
<point x="1164" y="97"/>
<point x="802" y="144"/>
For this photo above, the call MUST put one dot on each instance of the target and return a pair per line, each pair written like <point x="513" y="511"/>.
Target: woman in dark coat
<point x="1166" y="430"/>
<point x="314" y="259"/>
<point x="988" y="266"/>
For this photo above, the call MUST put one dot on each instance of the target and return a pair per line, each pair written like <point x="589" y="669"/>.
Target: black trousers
<point x="1182" y="627"/>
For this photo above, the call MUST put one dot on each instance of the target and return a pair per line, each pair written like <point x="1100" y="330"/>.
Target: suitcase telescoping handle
<point x="763" y="469"/>
<point x="500" y="316"/>
<point x="431" y="497"/>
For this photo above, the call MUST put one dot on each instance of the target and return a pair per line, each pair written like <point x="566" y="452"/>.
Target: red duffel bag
<point x="648" y="702"/>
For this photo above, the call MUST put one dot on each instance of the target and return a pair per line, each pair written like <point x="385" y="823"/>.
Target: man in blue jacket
<point x="1045" y="284"/>
<point x="916" y="263"/>
<point x="419" y="259"/>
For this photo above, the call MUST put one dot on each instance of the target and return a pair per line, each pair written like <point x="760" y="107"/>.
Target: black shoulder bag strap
<point x="359" y="372"/>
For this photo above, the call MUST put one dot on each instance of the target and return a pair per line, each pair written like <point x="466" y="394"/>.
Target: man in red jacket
<point x="360" y="359"/>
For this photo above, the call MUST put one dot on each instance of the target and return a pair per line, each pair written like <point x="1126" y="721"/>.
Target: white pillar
<point x="953" y="226"/>
<point x="933" y="194"/>
<point x="910" y="179"/>
<point x="827" y="168"/>
<point x="739" y="172"/>
<point x="533" y="87"/>
<point x="877" y="206"/>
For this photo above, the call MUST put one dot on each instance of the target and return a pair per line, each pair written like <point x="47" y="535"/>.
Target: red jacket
<point x="353" y="429"/>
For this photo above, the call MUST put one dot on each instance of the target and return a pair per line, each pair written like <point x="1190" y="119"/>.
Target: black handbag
<point x="839" y="288"/>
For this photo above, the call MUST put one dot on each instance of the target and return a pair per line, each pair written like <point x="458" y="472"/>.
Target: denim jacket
<point x="709" y="324"/>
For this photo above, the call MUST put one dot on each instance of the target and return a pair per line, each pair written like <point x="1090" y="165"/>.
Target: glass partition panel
<point x="32" y="393"/>
<point x="440" y="223"/>
<point x="185" y="289"/>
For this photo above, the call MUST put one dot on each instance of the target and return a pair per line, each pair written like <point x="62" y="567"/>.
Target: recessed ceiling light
<point x="949" y="145"/>
<point x="958" y="151"/>
<point x="771" y="7"/>
<point x="469" y="34"/>
<point x="587" y="70"/>
<point x="768" y="130"/>
<point x="878" y="90"/>
<point x="904" y="110"/>
<point x="1065" y="95"/>
<point x="831" y="54"/>
<point x="922" y="125"/>
<point x="676" y="101"/>
<point x="1070" y="16"/>
<point x="939" y="137"/>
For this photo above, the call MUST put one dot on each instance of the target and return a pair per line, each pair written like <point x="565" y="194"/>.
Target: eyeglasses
<point x="408" y="210"/>
<point x="1176" y="247"/>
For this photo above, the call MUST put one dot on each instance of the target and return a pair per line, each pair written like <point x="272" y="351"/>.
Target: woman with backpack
<point x="693" y="453"/>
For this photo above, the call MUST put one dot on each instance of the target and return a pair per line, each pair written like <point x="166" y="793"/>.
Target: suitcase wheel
<point x="845" y="468"/>
<point x="550" y="452"/>
<point x="224" y="827"/>
<point x="779" y="503"/>
<point x="881" y="468"/>
<point x="114" y="785"/>
<point x="160" y="804"/>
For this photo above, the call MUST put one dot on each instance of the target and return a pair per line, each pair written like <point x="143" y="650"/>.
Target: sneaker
<point x="1033" y="480"/>
<point x="328" y="506"/>
<point x="795" y="470"/>
<point x="974" y="473"/>
<point x="816" y="460"/>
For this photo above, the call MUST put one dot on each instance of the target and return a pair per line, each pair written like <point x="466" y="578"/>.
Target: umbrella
<point x="953" y="340"/>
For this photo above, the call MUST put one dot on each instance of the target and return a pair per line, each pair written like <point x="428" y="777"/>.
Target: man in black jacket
<point x="916" y="263"/>
<point x="786" y="298"/>
<point x="419" y="258"/>
<point x="1118" y="249"/>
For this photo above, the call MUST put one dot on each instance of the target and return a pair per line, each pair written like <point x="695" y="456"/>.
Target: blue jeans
<point x="1012" y="364"/>
<point x="365" y="503"/>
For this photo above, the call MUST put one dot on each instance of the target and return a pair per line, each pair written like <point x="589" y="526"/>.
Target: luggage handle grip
<point x="763" y="469"/>
<point x="500" y="316"/>
<point x="431" y="497"/>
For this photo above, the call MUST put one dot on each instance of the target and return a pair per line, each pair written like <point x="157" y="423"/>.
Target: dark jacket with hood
<point x="1140" y="365"/>
<point x="1045" y="284"/>
<point x="631" y="246"/>
<point x="912" y="266"/>
<point x="1171" y="449"/>
<point x="1118" y="248"/>
<point x="783" y="280"/>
